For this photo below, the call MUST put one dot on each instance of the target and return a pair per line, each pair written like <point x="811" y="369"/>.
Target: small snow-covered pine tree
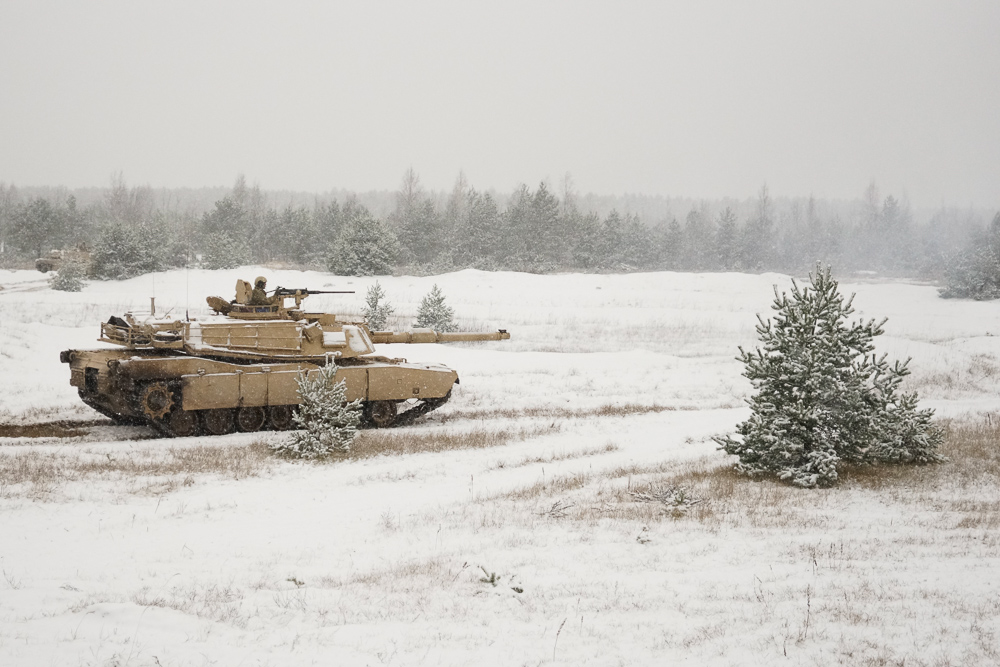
<point x="823" y="397"/>
<point x="69" y="277"/>
<point x="327" y="422"/>
<point x="433" y="313"/>
<point x="377" y="309"/>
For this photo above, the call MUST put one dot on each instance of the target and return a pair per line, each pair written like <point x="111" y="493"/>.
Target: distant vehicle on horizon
<point x="57" y="258"/>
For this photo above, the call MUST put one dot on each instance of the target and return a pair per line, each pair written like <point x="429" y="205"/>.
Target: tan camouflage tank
<point x="237" y="369"/>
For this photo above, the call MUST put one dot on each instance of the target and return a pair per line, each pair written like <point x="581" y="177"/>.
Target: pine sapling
<point x="327" y="422"/>
<point x="69" y="278"/>
<point x="377" y="309"/>
<point x="433" y="313"/>
<point x="823" y="397"/>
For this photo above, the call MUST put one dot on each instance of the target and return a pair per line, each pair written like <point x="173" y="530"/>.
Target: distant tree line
<point x="975" y="272"/>
<point x="129" y="233"/>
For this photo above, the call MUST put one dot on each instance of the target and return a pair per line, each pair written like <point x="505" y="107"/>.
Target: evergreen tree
<point x="418" y="224"/>
<point x="699" y="242"/>
<point x="328" y="423"/>
<point x="516" y="249"/>
<point x="226" y="235"/>
<point x="457" y="208"/>
<point x="433" y="313"/>
<point x="125" y="251"/>
<point x="550" y="249"/>
<point x="8" y="203"/>
<point x="758" y="235"/>
<point x="38" y="227"/>
<point x="637" y="244"/>
<point x="975" y="272"/>
<point x="585" y="230"/>
<point x="329" y="221"/>
<point x="69" y="278"/>
<point x="296" y="237"/>
<point x="377" y="309"/>
<point x="610" y="245"/>
<point x="223" y="250"/>
<point x="479" y="231"/>
<point x="671" y="242"/>
<point x="727" y="241"/>
<point x="822" y="397"/>
<point x="366" y="246"/>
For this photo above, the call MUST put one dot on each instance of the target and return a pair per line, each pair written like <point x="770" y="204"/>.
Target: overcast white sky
<point x="699" y="99"/>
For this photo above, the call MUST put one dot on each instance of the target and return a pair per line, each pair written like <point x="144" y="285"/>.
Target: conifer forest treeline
<point x="135" y="230"/>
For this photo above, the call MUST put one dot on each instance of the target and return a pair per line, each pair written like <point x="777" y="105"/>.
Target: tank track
<point x="427" y="405"/>
<point x="404" y="418"/>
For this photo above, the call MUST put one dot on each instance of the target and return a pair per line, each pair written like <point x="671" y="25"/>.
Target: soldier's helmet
<point x="260" y="282"/>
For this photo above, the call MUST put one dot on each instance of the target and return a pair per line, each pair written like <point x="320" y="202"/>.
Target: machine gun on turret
<point x="242" y="308"/>
<point x="299" y="294"/>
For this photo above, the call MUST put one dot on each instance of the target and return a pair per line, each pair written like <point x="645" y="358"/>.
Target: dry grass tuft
<point x="559" y="456"/>
<point x="223" y="604"/>
<point x="973" y="458"/>
<point x="373" y="443"/>
<point x="961" y="487"/>
<point x="57" y="429"/>
<point x="607" y="410"/>
<point x="36" y="474"/>
<point x="387" y="577"/>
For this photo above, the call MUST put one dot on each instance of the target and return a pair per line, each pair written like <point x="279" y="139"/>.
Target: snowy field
<point x="517" y="525"/>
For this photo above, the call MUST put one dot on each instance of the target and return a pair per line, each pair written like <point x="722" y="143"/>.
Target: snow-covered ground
<point x="528" y="551"/>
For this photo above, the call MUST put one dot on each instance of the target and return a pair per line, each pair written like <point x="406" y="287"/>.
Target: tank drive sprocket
<point x="156" y="400"/>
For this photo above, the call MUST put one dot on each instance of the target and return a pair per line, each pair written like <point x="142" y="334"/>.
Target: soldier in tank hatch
<point x="259" y="296"/>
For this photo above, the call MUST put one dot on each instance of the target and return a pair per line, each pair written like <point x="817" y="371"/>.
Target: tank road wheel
<point x="250" y="419"/>
<point x="218" y="421"/>
<point x="281" y="417"/>
<point x="380" y="413"/>
<point x="156" y="400"/>
<point x="182" y="423"/>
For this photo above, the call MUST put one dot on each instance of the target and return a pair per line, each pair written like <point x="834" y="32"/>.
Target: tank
<point x="236" y="370"/>
<point x="56" y="258"/>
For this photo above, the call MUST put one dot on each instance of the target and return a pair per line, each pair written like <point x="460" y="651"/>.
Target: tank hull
<point x="181" y="395"/>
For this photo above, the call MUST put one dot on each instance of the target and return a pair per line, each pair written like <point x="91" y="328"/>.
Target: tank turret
<point x="236" y="370"/>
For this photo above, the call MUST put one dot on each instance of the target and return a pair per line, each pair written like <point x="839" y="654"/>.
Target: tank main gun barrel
<point x="428" y="336"/>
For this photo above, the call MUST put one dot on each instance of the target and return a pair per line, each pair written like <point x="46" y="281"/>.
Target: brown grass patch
<point x="560" y="456"/>
<point x="973" y="458"/>
<point x="386" y="442"/>
<point x="550" y="487"/>
<point x="953" y="490"/>
<point x="35" y="473"/>
<point x="607" y="410"/>
<point x="397" y="573"/>
<point x="57" y="429"/>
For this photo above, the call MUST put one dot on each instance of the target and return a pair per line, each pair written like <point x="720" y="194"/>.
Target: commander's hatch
<point x="243" y="292"/>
